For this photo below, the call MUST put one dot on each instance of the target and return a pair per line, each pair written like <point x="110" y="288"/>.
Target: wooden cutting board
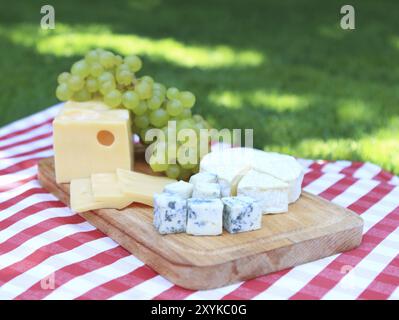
<point x="312" y="229"/>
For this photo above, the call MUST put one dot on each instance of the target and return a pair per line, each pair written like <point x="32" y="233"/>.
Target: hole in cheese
<point x="105" y="137"/>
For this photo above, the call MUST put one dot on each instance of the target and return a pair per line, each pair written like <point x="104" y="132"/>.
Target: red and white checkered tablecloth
<point x="49" y="252"/>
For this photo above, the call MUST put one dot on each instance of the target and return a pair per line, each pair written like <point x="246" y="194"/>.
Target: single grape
<point x="92" y="84"/>
<point x="144" y="90"/>
<point x="106" y="76"/>
<point x="141" y="108"/>
<point x="174" y="107"/>
<point x="159" y="118"/>
<point x="113" y="98"/>
<point x="197" y="118"/>
<point x="188" y="166"/>
<point x="133" y="62"/>
<point x="157" y="167"/>
<point x="75" y="82"/>
<point x="82" y="95"/>
<point x="158" y="87"/>
<point x="118" y="60"/>
<point x="92" y="56"/>
<point x="107" y="86"/>
<point x="80" y="68"/>
<point x="142" y="121"/>
<point x="185" y="114"/>
<point x="173" y="171"/>
<point x="130" y="100"/>
<point x="172" y="93"/>
<point x="154" y="102"/>
<point x="124" y="77"/>
<point x="62" y="92"/>
<point x="107" y="59"/>
<point x="147" y="79"/>
<point x="187" y="99"/>
<point x="63" y="77"/>
<point x="96" y="69"/>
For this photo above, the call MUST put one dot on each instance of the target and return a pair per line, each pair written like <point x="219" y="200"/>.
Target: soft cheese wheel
<point x="271" y="193"/>
<point x="231" y="164"/>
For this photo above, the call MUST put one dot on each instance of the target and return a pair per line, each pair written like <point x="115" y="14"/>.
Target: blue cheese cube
<point x="181" y="188"/>
<point x="205" y="190"/>
<point x="203" y="177"/>
<point x="204" y="217"/>
<point x="241" y="214"/>
<point x="170" y="213"/>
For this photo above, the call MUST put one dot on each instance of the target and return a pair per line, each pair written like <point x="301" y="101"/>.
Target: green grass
<point x="284" y="68"/>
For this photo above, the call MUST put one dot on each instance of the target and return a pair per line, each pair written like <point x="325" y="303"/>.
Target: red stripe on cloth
<point x="21" y="131"/>
<point x="65" y="244"/>
<point x="310" y="177"/>
<point x="24" y="235"/>
<point x="118" y="285"/>
<point x="174" y="293"/>
<point x="29" y="211"/>
<point x="73" y="271"/>
<point x="329" y="277"/>
<point x="252" y="288"/>
<point x="10" y="202"/>
<point x="32" y="139"/>
<point x="337" y="188"/>
<point x="16" y="184"/>
<point x="20" y="166"/>
<point x="383" y="176"/>
<point x="28" y="153"/>
<point x="384" y="284"/>
<point x="371" y="198"/>
<point x="349" y="171"/>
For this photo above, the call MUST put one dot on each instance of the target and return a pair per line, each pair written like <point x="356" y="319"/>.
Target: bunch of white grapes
<point x="112" y="78"/>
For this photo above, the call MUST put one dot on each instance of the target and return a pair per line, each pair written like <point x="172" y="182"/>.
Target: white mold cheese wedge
<point x="271" y="193"/>
<point x="231" y="165"/>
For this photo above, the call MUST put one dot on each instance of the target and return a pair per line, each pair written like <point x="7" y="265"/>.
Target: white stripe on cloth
<point x="359" y="278"/>
<point x="32" y="120"/>
<point x="10" y="194"/>
<point x="84" y="283"/>
<point x="43" y="129"/>
<point x="145" y="290"/>
<point x="16" y="177"/>
<point x="22" y="148"/>
<point x="21" y="283"/>
<point x="323" y="183"/>
<point x="27" y="202"/>
<point x="214" y="294"/>
<point x="33" y="220"/>
<point x="46" y="238"/>
<point x="299" y="276"/>
<point x="367" y="171"/>
<point x="5" y="163"/>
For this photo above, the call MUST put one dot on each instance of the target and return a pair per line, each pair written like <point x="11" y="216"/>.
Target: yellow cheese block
<point x="90" y="137"/>
<point x="106" y="187"/>
<point x="141" y="187"/>
<point x="82" y="198"/>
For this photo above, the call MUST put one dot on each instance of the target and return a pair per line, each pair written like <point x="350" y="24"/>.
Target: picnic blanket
<point x="49" y="252"/>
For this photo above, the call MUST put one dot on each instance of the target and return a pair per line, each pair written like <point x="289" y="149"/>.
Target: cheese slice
<point x="82" y="198"/>
<point x="230" y="165"/>
<point x="106" y="187"/>
<point x="271" y="193"/>
<point x="141" y="187"/>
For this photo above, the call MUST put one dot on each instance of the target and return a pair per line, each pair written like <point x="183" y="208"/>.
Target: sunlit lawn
<point x="284" y="68"/>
